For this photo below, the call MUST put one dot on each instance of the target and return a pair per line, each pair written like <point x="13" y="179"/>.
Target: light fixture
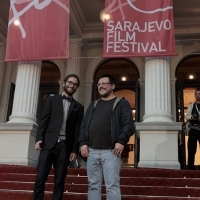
<point x="123" y="78"/>
<point x="104" y="16"/>
<point x="191" y="76"/>
<point x="16" y="22"/>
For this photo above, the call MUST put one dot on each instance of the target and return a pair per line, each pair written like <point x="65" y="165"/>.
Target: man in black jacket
<point x="57" y="137"/>
<point x="105" y="129"/>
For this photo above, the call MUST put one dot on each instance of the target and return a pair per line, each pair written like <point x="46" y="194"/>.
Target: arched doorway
<point x="126" y="75"/>
<point x="49" y="84"/>
<point x="188" y="80"/>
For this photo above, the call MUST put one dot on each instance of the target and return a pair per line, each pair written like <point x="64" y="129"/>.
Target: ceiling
<point x="85" y="23"/>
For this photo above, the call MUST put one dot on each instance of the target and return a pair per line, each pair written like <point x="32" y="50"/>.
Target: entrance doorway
<point x="188" y="80"/>
<point x="50" y="76"/>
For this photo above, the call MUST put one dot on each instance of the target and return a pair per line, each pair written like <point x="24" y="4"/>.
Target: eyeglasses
<point x="103" y="84"/>
<point x="72" y="83"/>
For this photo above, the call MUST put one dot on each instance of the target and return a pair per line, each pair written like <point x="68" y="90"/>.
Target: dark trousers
<point x="194" y="136"/>
<point x="59" y="157"/>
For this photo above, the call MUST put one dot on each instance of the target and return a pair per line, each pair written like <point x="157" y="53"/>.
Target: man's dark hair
<point x="71" y="75"/>
<point x="198" y="89"/>
<point x="110" y="77"/>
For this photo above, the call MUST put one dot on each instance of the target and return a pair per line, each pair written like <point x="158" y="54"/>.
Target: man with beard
<point x="193" y="114"/>
<point x="105" y="130"/>
<point x="57" y="137"/>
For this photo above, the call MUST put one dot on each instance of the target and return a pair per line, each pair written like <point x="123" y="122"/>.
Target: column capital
<point x="30" y="62"/>
<point x="76" y="43"/>
<point x="157" y="58"/>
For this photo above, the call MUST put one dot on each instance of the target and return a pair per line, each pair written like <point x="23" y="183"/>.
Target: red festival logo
<point x="138" y="28"/>
<point x="38" y="30"/>
<point x="130" y="3"/>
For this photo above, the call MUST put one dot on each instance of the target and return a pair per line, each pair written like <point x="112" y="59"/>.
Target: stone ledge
<point x="168" y="126"/>
<point x="18" y="127"/>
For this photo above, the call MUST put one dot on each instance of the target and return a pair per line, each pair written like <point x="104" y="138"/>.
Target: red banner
<point x="138" y="28"/>
<point x="42" y="30"/>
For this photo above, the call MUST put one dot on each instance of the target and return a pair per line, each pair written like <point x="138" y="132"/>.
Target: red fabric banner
<point x="139" y="28"/>
<point x="42" y="32"/>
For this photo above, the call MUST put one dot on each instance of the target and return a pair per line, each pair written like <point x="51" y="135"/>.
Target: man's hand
<point x="117" y="151"/>
<point x="72" y="157"/>
<point x="37" y="145"/>
<point x="84" y="151"/>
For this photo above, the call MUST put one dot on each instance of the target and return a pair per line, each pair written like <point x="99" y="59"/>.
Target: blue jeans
<point x="101" y="164"/>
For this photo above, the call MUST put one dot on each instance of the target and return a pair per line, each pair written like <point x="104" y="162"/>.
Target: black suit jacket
<point x="51" y="122"/>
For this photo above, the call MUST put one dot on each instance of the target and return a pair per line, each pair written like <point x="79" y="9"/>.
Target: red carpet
<point x="17" y="182"/>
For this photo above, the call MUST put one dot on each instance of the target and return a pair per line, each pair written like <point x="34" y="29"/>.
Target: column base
<point x="22" y="119"/>
<point x="159" y="164"/>
<point x="159" y="144"/>
<point x="157" y="118"/>
<point x="17" y="144"/>
<point x="17" y="161"/>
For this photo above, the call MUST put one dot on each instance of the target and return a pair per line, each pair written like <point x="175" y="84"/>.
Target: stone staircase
<point x="17" y="182"/>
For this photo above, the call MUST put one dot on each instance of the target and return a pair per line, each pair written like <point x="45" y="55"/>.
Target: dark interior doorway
<point x="188" y="80"/>
<point x="50" y="76"/>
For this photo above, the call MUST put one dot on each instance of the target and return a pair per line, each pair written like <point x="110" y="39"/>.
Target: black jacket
<point x="122" y="124"/>
<point x="51" y="122"/>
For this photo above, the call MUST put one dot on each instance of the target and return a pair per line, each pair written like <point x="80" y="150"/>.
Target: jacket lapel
<point x="61" y="104"/>
<point x="72" y="104"/>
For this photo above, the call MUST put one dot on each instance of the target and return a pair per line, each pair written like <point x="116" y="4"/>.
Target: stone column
<point x="157" y="90"/>
<point x="2" y="65"/>
<point x="74" y="63"/>
<point x="158" y="133"/>
<point x="26" y="92"/>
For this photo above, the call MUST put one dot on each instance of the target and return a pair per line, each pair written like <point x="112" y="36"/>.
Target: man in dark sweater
<point x="105" y="129"/>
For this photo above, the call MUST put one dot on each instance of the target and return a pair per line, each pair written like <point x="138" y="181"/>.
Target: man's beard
<point x="105" y="94"/>
<point x="197" y="98"/>
<point x="70" y="93"/>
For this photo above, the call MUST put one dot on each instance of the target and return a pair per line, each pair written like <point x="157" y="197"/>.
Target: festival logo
<point x="139" y="28"/>
<point x="37" y="30"/>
